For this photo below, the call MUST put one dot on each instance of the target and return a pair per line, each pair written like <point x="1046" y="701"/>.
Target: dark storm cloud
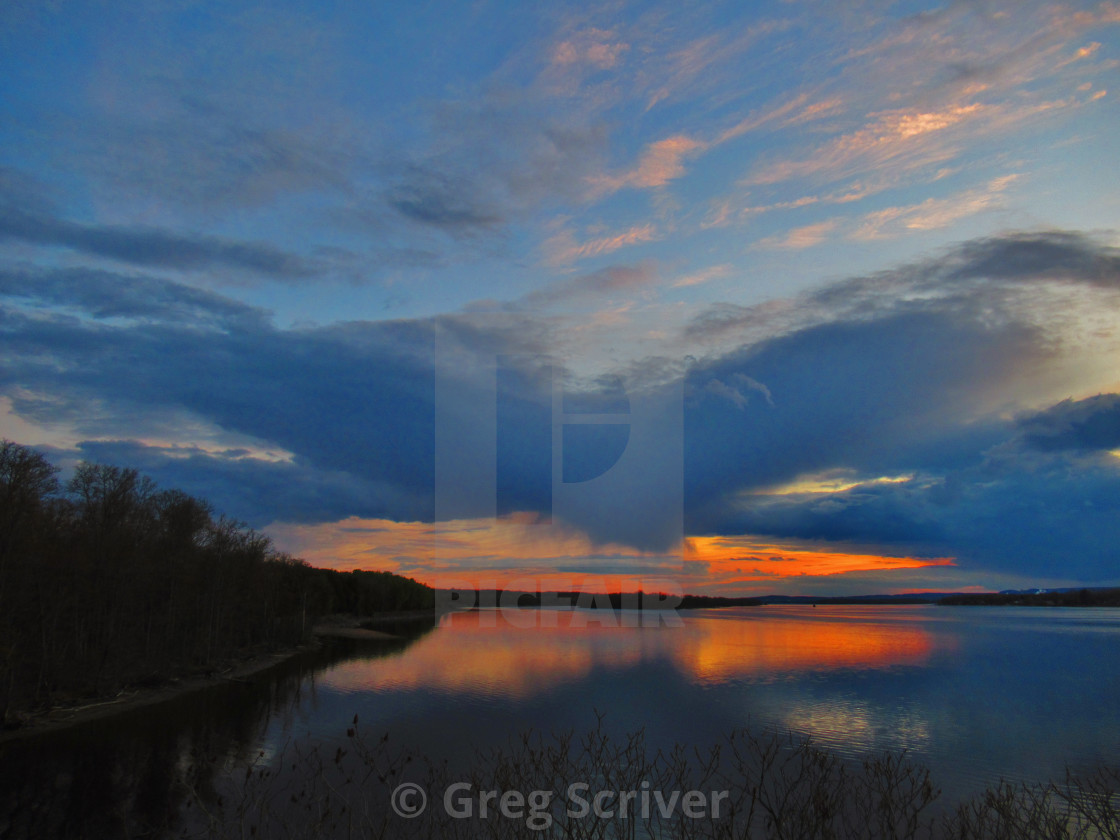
<point x="1085" y="425"/>
<point x="1052" y="516"/>
<point x="968" y="278"/>
<point x="980" y="272"/>
<point x="885" y="383"/>
<point x="353" y="399"/>
<point x="893" y="383"/>
<point x="260" y="491"/>
<point x="353" y="402"/>
<point x="105" y="294"/>
<point x="1057" y="254"/>
<point x="145" y="246"/>
<point x="872" y="514"/>
<point x="857" y="394"/>
<point x="442" y="201"/>
<point x="1036" y="497"/>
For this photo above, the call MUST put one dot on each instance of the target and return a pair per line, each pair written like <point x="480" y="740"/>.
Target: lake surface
<point x="974" y="693"/>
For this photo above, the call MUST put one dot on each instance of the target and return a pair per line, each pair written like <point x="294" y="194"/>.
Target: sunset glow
<point x="504" y="654"/>
<point x="521" y="553"/>
<point x="735" y="298"/>
<point x="717" y="650"/>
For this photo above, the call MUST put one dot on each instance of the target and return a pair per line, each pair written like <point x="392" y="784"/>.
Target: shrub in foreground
<point x="750" y="786"/>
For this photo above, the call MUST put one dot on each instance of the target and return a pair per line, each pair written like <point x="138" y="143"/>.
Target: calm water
<point x="973" y="693"/>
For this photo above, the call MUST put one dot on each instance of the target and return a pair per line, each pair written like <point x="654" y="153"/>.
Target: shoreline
<point x="62" y="717"/>
<point x="129" y="699"/>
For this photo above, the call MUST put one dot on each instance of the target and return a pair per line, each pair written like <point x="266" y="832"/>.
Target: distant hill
<point x="1095" y="596"/>
<point x="1069" y="597"/>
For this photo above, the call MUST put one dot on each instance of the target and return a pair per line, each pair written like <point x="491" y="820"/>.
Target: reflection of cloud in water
<point x="850" y="720"/>
<point x="855" y="728"/>
<point x="766" y="643"/>
<point x="484" y="654"/>
<point x="530" y="652"/>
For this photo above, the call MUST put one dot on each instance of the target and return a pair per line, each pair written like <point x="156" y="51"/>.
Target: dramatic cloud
<point x="902" y="382"/>
<point x="1086" y="425"/>
<point x="983" y="274"/>
<point x="893" y="379"/>
<point x="720" y="291"/>
<point x="354" y="399"/>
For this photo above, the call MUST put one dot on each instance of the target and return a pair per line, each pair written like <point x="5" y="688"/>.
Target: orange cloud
<point x="565" y="248"/>
<point x="899" y="138"/>
<point x="520" y="552"/>
<point x="712" y="273"/>
<point x="593" y="49"/>
<point x="932" y="213"/>
<point x="801" y="237"/>
<point x="659" y="164"/>
<point x="734" y="560"/>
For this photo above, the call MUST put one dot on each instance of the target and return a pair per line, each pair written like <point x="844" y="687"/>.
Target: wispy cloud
<point x="806" y="236"/>
<point x="891" y="222"/>
<point x="594" y="48"/>
<point x="563" y="247"/>
<point x="704" y="275"/>
<point x="899" y="139"/>
<point x="931" y="214"/>
<point x="659" y="164"/>
<point x="975" y="78"/>
<point x="755" y="121"/>
<point x="152" y="247"/>
<point x="619" y="280"/>
<point x="664" y="160"/>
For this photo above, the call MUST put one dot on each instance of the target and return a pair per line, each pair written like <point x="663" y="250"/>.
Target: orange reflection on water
<point x="759" y="641"/>
<point x="507" y="653"/>
<point x="520" y="653"/>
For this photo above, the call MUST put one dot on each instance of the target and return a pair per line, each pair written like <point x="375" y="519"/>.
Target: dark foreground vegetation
<point x="1065" y="598"/>
<point x="110" y="581"/>
<point x="772" y="787"/>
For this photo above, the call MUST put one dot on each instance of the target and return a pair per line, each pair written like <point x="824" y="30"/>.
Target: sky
<point x="723" y="298"/>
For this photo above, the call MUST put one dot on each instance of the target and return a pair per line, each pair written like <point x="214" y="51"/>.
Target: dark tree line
<point x="109" y="580"/>
<point x="1069" y="598"/>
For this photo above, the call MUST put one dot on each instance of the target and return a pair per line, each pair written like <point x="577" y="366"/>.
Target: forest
<point x="107" y="581"/>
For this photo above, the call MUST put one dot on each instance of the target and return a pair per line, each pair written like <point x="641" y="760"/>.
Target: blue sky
<point x="835" y="285"/>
